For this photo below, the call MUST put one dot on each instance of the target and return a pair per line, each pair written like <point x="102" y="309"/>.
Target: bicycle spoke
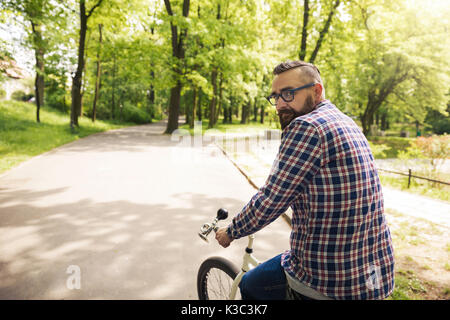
<point x="216" y="286"/>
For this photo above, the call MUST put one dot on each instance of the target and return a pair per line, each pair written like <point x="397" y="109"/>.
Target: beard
<point x="286" y="115"/>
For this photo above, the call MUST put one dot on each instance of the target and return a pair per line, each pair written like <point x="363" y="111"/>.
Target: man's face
<point x="304" y="101"/>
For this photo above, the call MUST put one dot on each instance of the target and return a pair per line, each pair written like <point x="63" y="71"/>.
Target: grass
<point x="408" y="286"/>
<point x="417" y="251"/>
<point x="421" y="187"/>
<point x="21" y="137"/>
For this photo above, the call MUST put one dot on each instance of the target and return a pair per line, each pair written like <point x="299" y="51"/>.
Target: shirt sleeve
<point x="297" y="161"/>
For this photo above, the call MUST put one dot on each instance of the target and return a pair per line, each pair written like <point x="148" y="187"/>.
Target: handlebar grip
<point x="222" y="214"/>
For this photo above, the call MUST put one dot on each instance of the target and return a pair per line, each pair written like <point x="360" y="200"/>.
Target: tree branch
<point x="324" y="31"/>
<point x="93" y="8"/>
<point x="173" y="29"/>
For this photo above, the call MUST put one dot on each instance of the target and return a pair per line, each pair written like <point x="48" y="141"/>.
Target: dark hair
<point x="309" y="70"/>
<point x="288" y="65"/>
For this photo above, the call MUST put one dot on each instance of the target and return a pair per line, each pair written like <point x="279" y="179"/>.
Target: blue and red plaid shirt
<point x="340" y="242"/>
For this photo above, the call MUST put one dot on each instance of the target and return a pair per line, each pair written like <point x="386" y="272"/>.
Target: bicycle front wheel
<point x="215" y="278"/>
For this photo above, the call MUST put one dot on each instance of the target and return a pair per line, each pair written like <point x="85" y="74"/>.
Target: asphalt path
<point x="115" y="216"/>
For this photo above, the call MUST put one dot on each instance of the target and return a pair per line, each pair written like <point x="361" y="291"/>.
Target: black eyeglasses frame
<point x="276" y="96"/>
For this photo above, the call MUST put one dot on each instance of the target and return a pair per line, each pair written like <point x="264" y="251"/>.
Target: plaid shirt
<point x="340" y="242"/>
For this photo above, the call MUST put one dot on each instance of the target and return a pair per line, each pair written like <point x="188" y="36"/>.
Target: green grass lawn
<point x="21" y="137"/>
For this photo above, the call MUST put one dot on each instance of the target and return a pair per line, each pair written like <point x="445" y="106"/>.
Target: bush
<point x="436" y="148"/>
<point x="439" y="123"/>
<point x="18" y="95"/>
<point x="56" y="100"/>
<point x="130" y="113"/>
<point x="378" y="150"/>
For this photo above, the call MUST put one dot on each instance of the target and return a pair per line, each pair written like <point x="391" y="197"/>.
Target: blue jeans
<point x="265" y="282"/>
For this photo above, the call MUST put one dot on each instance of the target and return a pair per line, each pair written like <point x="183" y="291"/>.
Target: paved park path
<point x="121" y="210"/>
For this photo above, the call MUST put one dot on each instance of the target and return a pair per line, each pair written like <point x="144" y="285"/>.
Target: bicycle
<point x="218" y="278"/>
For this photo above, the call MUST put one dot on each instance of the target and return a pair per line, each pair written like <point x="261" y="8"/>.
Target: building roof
<point x="10" y="68"/>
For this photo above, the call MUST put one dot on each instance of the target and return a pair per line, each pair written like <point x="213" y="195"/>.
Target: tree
<point x="37" y="13"/>
<point x="178" y="53"/>
<point x="403" y="67"/>
<point x="75" y="111"/>
<point x="98" y="75"/>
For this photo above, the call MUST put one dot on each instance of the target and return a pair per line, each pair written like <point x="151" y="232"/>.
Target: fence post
<point x="409" y="177"/>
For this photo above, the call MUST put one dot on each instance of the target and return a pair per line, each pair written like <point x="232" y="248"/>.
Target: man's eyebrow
<point x="285" y="88"/>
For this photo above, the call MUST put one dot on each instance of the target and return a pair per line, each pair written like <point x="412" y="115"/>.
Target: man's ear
<point x="318" y="88"/>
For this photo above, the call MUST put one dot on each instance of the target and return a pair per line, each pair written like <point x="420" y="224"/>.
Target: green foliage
<point x="388" y="147"/>
<point x="130" y="113"/>
<point x="439" y="122"/>
<point x="20" y="95"/>
<point x="412" y="152"/>
<point x="378" y="150"/>
<point x="370" y="65"/>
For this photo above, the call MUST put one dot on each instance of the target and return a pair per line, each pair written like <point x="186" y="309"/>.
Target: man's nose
<point x="280" y="103"/>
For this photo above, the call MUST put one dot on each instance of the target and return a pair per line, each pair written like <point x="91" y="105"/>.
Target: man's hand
<point x="223" y="238"/>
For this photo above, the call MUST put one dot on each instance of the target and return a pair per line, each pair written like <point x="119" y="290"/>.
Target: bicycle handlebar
<point x="206" y="229"/>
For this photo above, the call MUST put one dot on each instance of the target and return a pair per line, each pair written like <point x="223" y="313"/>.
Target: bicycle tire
<point x="208" y="274"/>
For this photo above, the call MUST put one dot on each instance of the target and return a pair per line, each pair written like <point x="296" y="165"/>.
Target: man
<point x="340" y="243"/>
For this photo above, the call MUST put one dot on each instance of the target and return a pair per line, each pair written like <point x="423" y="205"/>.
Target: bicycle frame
<point x="249" y="262"/>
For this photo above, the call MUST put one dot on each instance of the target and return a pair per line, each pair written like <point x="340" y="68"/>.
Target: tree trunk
<point x="188" y="111"/>
<point x="220" y="102"/>
<point x="97" y="80"/>
<point x="255" y="111"/>
<point x="212" y="107"/>
<point x="262" y="114"/>
<point x="113" y="101"/>
<point x="151" y="99"/>
<point x="245" y="113"/>
<point x="302" y="53"/>
<point x="384" y="126"/>
<point x="178" y="52"/>
<point x="230" y="110"/>
<point x="199" y="104"/>
<point x="194" y="108"/>
<point x="39" y="80"/>
<point x="174" y="108"/>
<point x="77" y="79"/>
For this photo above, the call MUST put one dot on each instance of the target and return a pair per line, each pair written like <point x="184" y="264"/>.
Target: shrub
<point x="435" y="148"/>
<point x="130" y="113"/>
<point x="378" y="150"/>
<point x="18" y="95"/>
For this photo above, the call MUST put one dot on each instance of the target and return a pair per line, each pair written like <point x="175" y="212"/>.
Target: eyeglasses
<point x="287" y="95"/>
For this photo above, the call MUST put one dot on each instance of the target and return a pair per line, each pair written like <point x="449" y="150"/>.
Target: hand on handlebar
<point x="223" y="238"/>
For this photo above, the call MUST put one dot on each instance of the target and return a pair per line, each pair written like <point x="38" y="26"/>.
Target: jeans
<point x="265" y="282"/>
